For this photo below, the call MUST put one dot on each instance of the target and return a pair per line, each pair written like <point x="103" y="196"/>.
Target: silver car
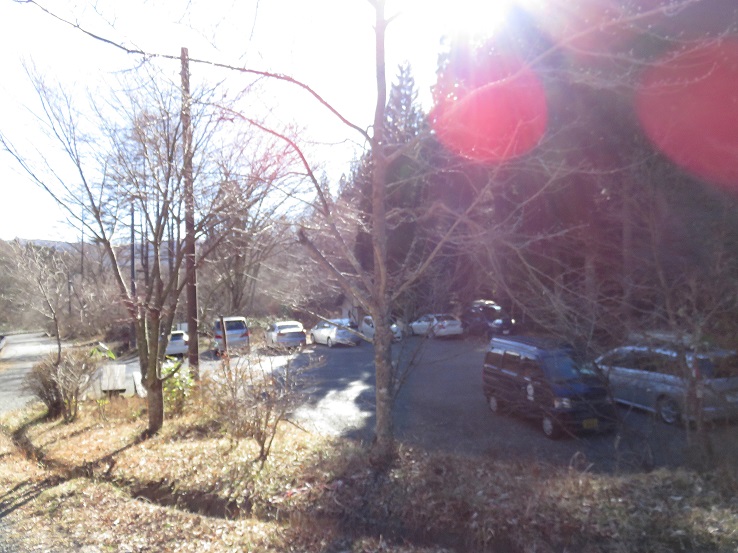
<point x="439" y="324"/>
<point x="675" y="385"/>
<point x="367" y="329"/>
<point x="237" y="334"/>
<point x="335" y="331"/>
<point x="177" y="344"/>
<point x="285" y="334"/>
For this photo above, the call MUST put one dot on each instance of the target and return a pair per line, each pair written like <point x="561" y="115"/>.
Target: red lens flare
<point x="687" y="104"/>
<point x="501" y="117"/>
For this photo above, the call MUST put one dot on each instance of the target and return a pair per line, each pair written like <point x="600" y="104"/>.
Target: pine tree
<point x="405" y="121"/>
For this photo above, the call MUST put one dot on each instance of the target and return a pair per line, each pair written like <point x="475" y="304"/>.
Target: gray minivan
<point x="674" y="384"/>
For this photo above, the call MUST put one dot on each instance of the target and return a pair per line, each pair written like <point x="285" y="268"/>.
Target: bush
<point x="177" y="386"/>
<point x="40" y="381"/>
<point x="250" y="396"/>
<point x="57" y="382"/>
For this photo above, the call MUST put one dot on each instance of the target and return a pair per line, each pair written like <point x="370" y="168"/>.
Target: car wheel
<point x="312" y="339"/>
<point x="668" y="410"/>
<point x="550" y="427"/>
<point x="329" y="342"/>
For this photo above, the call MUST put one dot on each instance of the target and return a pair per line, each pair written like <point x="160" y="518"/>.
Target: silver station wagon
<point x="676" y="385"/>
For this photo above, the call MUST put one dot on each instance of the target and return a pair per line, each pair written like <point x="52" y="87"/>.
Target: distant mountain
<point x="56" y="244"/>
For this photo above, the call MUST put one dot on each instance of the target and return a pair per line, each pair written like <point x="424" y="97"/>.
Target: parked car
<point x="438" y="324"/>
<point x="671" y="384"/>
<point x="335" y="331"/>
<point x="178" y="343"/>
<point x="237" y="334"/>
<point x="539" y="378"/>
<point x="367" y="329"/>
<point x="487" y="318"/>
<point x="286" y="334"/>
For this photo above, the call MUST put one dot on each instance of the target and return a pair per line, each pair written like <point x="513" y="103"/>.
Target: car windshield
<point x="445" y="318"/>
<point x="560" y="367"/>
<point x="289" y="327"/>
<point x="231" y="325"/>
<point x="344" y="323"/>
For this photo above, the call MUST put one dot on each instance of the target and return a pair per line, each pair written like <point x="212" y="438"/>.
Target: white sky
<point x="326" y="43"/>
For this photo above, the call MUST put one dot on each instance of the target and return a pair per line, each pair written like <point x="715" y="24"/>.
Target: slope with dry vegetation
<point x="93" y="485"/>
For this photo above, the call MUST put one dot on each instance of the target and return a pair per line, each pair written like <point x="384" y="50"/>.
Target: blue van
<point x="538" y="378"/>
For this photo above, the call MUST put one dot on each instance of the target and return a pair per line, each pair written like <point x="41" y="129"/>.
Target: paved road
<point x="20" y="353"/>
<point x="440" y="407"/>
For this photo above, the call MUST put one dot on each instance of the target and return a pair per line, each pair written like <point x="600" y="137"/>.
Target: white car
<point x="335" y="331"/>
<point x="367" y="329"/>
<point x="237" y="334"/>
<point x="437" y="324"/>
<point x="177" y="345"/>
<point x="285" y="334"/>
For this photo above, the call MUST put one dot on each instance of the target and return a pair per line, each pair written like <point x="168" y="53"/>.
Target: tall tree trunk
<point x="385" y="438"/>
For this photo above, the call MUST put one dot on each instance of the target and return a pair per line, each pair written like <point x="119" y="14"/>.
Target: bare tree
<point x="43" y="275"/>
<point x="257" y="173"/>
<point x="132" y="169"/>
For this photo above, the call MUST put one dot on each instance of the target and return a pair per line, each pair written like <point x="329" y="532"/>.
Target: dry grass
<point x="319" y="494"/>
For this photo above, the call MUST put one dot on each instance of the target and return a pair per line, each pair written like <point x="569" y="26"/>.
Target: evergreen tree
<point x="405" y="121"/>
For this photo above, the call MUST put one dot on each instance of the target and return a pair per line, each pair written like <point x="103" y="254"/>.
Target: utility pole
<point x="193" y="351"/>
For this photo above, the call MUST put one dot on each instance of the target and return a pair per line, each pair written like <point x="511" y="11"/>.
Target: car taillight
<point x="246" y="334"/>
<point x="218" y="336"/>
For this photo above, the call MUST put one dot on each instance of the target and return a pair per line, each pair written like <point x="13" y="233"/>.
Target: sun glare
<point x="461" y="17"/>
<point x="476" y="17"/>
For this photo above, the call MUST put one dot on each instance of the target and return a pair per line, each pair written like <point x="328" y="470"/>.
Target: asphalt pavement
<point x="440" y="405"/>
<point x="19" y="354"/>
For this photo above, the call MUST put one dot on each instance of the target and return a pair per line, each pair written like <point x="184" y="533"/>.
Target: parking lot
<point x="441" y="407"/>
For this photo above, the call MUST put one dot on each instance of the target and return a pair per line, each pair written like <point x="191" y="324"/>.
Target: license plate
<point x="590" y="424"/>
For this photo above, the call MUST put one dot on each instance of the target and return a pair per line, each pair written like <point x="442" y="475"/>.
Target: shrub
<point x="177" y="386"/>
<point x="41" y="383"/>
<point x="250" y="396"/>
<point x="57" y="382"/>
